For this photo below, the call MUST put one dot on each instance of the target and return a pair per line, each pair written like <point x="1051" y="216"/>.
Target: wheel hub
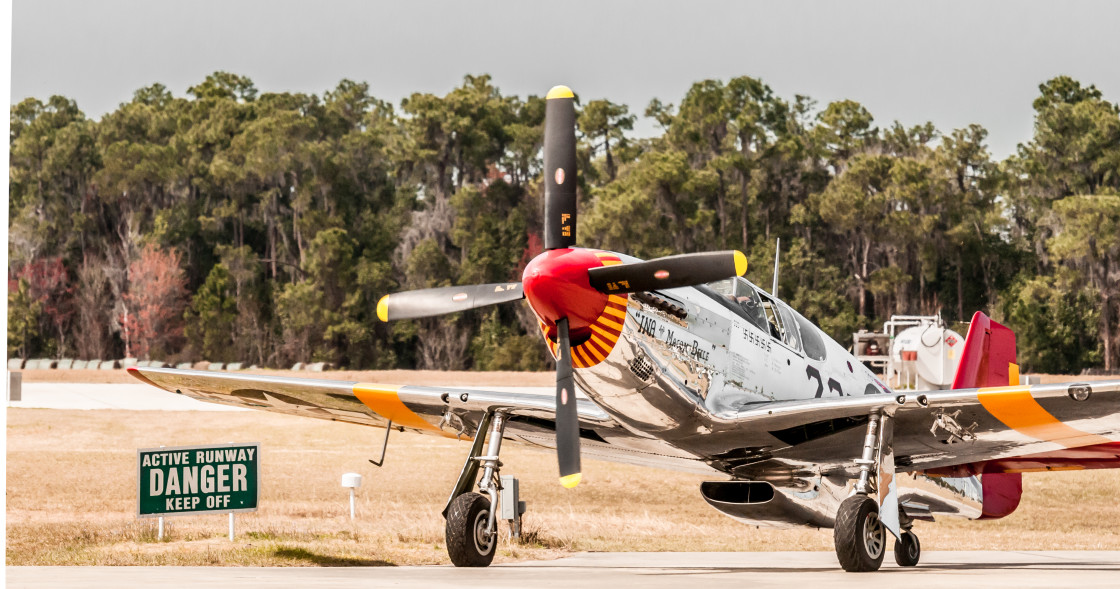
<point x="482" y="540"/>
<point x="873" y="535"/>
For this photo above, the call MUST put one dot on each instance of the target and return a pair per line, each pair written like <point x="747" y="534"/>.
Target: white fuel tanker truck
<point x="913" y="352"/>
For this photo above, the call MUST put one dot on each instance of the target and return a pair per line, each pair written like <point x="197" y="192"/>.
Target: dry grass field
<point x="72" y="498"/>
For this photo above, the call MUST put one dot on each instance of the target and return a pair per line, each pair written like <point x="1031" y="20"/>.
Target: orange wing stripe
<point x="1018" y="410"/>
<point x="385" y="401"/>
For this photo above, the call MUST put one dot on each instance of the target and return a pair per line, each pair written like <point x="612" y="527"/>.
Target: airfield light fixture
<point x="352" y="481"/>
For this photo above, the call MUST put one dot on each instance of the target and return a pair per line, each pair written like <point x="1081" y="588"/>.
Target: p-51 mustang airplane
<point x="690" y="367"/>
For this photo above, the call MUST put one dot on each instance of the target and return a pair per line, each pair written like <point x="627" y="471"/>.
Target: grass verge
<point x="72" y="491"/>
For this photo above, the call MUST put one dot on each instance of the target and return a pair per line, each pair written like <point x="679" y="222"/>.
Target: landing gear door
<point x="887" y="487"/>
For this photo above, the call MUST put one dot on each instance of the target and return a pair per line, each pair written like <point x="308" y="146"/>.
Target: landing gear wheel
<point x="468" y="545"/>
<point x="907" y="550"/>
<point x="859" y="536"/>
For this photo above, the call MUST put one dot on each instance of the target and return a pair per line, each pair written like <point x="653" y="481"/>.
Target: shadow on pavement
<point x="328" y="561"/>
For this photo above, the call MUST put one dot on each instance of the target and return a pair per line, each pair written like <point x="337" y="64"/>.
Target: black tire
<point x="908" y="550"/>
<point x="859" y="535"/>
<point x="467" y="519"/>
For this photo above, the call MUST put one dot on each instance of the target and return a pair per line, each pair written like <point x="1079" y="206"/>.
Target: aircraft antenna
<point x="777" y="251"/>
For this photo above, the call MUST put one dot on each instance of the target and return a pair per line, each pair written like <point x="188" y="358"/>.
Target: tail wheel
<point x="468" y="544"/>
<point x="907" y="550"/>
<point x="859" y="536"/>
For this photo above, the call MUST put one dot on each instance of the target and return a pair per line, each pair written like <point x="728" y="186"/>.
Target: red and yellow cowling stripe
<point x="605" y="331"/>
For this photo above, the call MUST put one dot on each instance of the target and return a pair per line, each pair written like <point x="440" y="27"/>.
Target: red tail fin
<point x="988" y="359"/>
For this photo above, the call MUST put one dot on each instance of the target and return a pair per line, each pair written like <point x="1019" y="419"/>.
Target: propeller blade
<point x="567" y="418"/>
<point x="668" y="272"/>
<point x="441" y="301"/>
<point x="559" y="169"/>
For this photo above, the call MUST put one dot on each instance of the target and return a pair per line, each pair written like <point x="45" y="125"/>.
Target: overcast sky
<point x="952" y="63"/>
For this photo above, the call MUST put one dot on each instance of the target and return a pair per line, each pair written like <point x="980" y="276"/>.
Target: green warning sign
<point x="197" y="479"/>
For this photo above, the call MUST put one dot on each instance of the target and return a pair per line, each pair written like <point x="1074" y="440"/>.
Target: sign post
<point x="185" y="480"/>
<point x="160" y="537"/>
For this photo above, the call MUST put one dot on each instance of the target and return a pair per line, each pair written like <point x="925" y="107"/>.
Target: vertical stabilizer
<point x="988" y="359"/>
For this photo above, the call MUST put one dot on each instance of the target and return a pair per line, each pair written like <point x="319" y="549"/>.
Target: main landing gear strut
<point x="472" y="518"/>
<point x="862" y="522"/>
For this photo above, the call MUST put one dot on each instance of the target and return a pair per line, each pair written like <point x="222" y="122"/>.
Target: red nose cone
<point x="557" y="286"/>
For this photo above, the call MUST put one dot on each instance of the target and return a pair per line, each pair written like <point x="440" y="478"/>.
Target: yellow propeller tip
<point x="560" y="92"/>
<point x="383" y="309"/>
<point x="740" y="263"/>
<point x="571" y="480"/>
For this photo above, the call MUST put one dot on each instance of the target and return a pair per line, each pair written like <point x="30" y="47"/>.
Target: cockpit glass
<point x="723" y="287"/>
<point x="754" y="305"/>
<point x="790" y="336"/>
<point x="746" y="297"/>
<point x="814" y="345"/>
<point x="775" y="323"/>
<point x="739" y="296"/>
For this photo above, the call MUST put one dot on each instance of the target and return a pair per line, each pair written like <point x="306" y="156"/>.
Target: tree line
<point x="233" y="225"/>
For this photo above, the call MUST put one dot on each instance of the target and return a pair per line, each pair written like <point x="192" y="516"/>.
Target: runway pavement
<point x="1020" y="570"/>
